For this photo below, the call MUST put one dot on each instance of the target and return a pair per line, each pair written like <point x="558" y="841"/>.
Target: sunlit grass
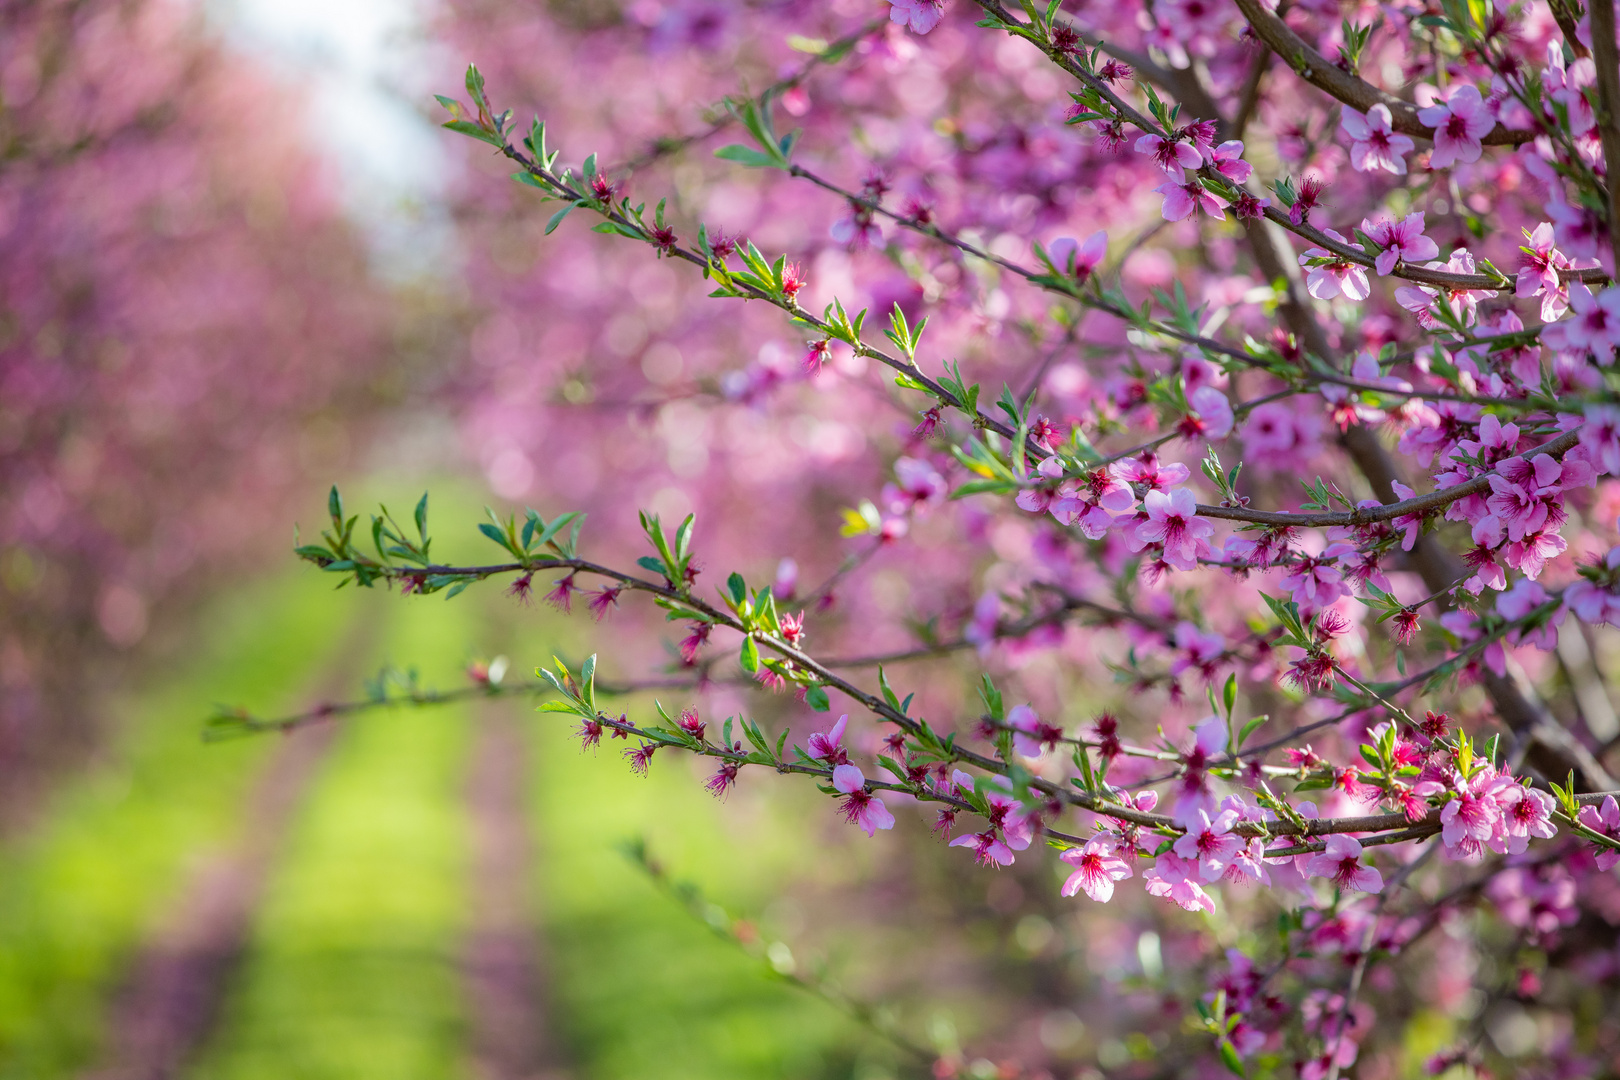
<point x="644" y="989"/>
<point x="352" y="965"/>
<point x="113" y="847"/>
<point x="351" y="962"/>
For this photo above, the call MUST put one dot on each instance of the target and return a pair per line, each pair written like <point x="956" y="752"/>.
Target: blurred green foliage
<point x="350" y="967"/>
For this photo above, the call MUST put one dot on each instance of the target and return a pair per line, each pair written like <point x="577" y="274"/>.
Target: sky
<point x="365" y="62"/>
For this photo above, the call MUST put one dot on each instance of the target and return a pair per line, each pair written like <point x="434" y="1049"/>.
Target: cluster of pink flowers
<point x="1127" y="519"/>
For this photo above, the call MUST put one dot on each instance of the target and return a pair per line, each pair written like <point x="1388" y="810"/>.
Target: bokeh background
<point x="239" y="262"/>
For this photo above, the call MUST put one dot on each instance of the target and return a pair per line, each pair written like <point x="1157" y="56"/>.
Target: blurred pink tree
<point x="181" y="307"/>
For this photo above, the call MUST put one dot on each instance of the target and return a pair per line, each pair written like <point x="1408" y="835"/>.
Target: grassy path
<point x="352" y="968"/>
<point x="513" y="1036"/>
<point x="118" y="844"/>
<point x="443" y="896"/>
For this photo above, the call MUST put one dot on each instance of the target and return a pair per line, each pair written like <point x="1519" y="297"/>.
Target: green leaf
<point x="992" y="699"/>
<point x="421" y="517"/>
<point x="1248" y="729"/>
<point x="556" y="219"/>
<point x="466" y="127"/>
<point x="587" y="682"/>
<point x="746" y="155"/>
<point x="756" y="737"/>
<point x="817" y="699"/>
<point x="559" y="706"/>
<point x="750" y="655"/>
<point x="1229" y="693"/>
<point x="494" y="534"/>
<point x="1229" y="1058"/>
<point x="738" y="588"/>
<point x="613" y="228"/>
<point x="683" y="536"/>
<point x="888" y="691"/>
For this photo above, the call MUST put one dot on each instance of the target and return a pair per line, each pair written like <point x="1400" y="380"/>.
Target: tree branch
<point x="1323" y="73"/>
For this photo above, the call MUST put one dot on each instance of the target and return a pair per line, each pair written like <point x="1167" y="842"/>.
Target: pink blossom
<point x="1032" y="736"/>
<point x="1595" y="325"/>
<point x="1281" y="436"/>
<point x="1341" y="861"/>
<point x="1526" y="812"/>
<point x="1539" y="275"/>
<point x="920" y="16"/>
<point x="1462" y="304"/>
<point x="1373" y="143"/>
<point x="1594" y="603"/>
<point x="1171" y="877"/>
<point x="1037" y="500"/>
<point x="1171" y="155"/>
<point x="1186" y="200"/>
<point x="1079" y="260"/>
<point x="1605" y="820"/>
<point x="828" y="745"/>
<point x="1579" y="229"/>
<point x="1522" y="506"/>
<point x="1009" y="816"/>
<point x="1196" y="649"/>
<point x="1173" y="522"/>
<point x="1325" y="280"/>
<point x="1401" y="241"/>
<point x="1600" y="435"/>
<point x="988" y="850"/>
<point x="1209" y="415"/>
<point x="1459" y="123"/>
<point x="1097" y="867"/>
<point x="1199" y="23"/>
<point x="1210" y="843"/>
<point x="1228" y="161"/>
<point x="860" y="807"/>
<point x="1307" y="199"/>
<point x="1147" y="472"/>
<point x="1530" y="555"/>
<point x="1471" y="816"/>
<point x="1316" y="580"/>
<point x="1340" y="1055"/>
<point x="1091" y="502"/>
<point x="1517" y="603"/>
<point x="1567" y="87"/>
<point x="917" y="484"/>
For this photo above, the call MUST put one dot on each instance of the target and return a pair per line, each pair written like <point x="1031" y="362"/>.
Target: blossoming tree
<point x="1250" y="434"/>
<point x="174" y="300"/>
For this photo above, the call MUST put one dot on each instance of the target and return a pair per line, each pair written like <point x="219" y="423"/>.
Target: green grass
<point x="352" y="966"/>
<point x="642" y="988"/>
<point x="115" y="844"/>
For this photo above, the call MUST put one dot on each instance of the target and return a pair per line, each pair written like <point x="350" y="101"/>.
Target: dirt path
<point x="511" y="1038"/>
<point x="171" y="995"/>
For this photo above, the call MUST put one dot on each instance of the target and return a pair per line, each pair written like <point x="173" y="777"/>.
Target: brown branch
<point x="1323" y="73"/>
<point x="1420" y="505"/>
<point x="1608" y="117"/>
<point x="1183" y="83"/>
